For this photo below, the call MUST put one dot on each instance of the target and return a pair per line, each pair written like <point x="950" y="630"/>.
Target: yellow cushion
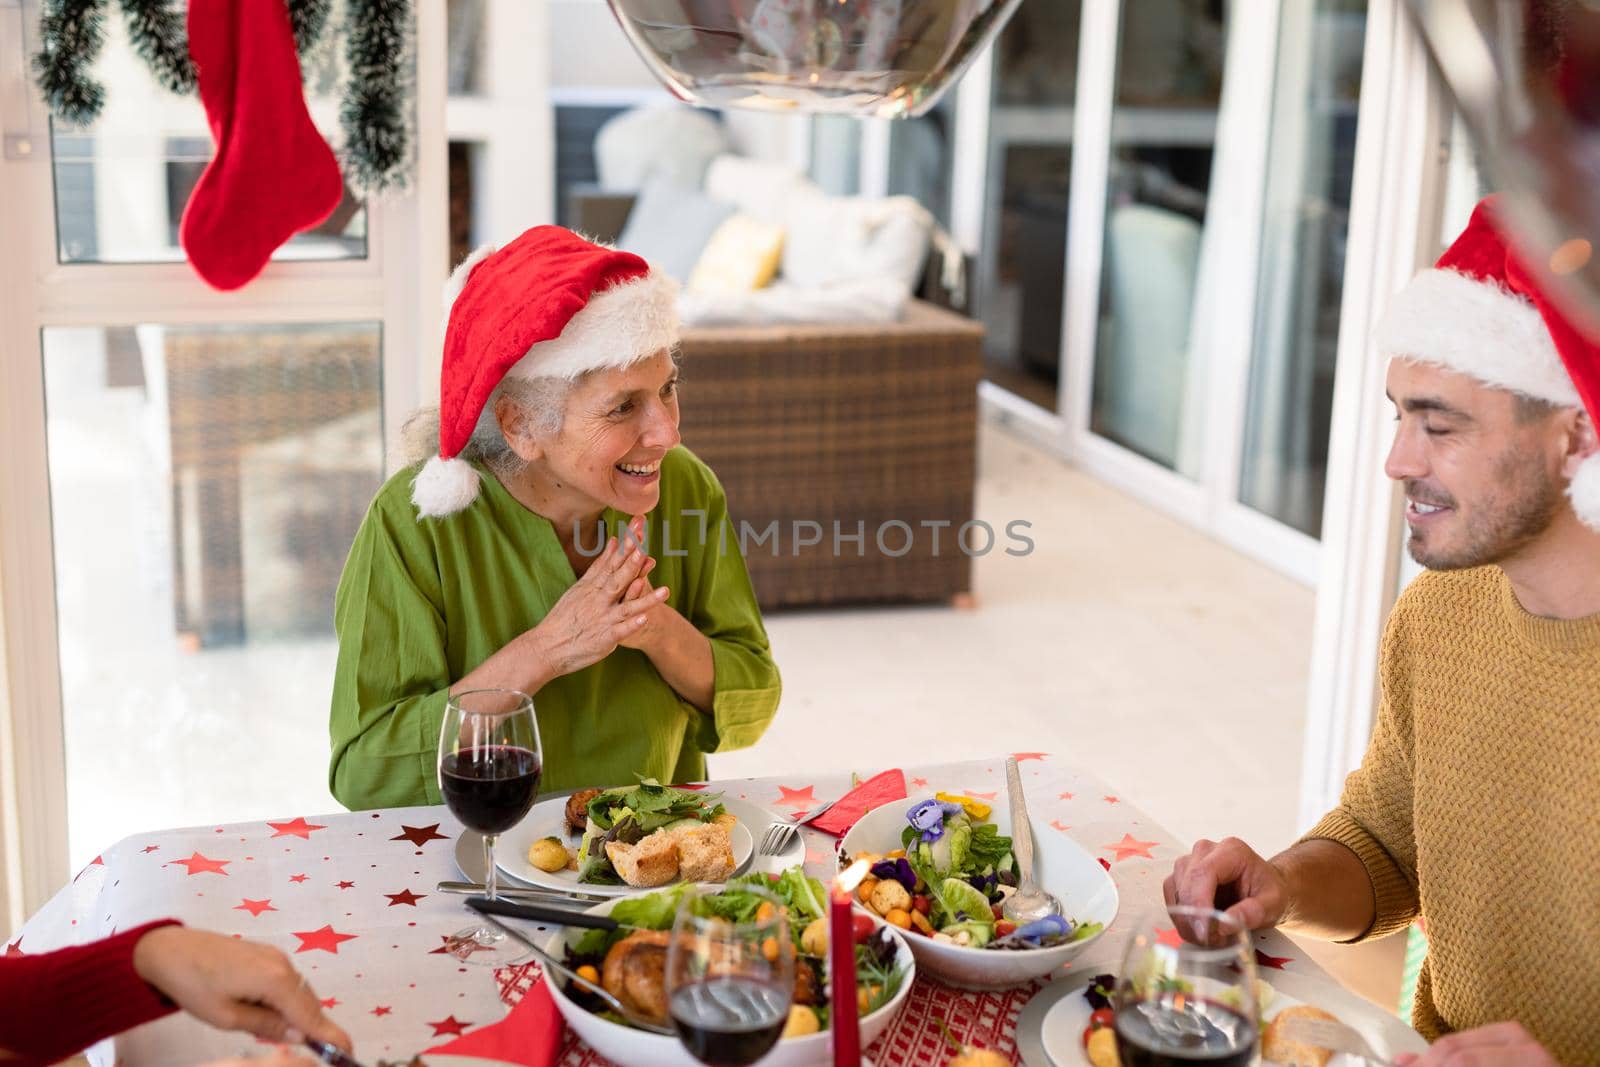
<point x="741" y="257"/>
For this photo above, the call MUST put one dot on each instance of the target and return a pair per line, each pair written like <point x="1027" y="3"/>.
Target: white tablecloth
<point x="351" y="897"/>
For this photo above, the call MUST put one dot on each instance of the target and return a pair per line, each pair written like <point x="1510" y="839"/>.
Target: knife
<point x="544" y="913"/>
<point x="532" y="893"/>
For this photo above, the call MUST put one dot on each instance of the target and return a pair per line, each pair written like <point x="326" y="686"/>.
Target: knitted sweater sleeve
<point x="1374" y="816"/>
<point x="57" y="1003"/>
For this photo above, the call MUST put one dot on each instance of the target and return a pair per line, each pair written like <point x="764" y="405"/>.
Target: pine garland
<point x="160" y="37"/>
<point x="72" y="32"/>
<point x="377" y="50"/>
<point x="308" y="17"/>
<point x="373" y="113"/>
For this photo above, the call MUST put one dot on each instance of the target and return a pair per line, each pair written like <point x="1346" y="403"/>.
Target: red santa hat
<point x="1481" y="311"/>
<point x="548" y="305"/>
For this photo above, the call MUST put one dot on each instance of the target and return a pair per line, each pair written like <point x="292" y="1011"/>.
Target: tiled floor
<point x="1128" y="642"/>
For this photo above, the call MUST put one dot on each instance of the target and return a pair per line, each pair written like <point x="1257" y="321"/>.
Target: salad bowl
<point x="624" y="1044"/>
<point x="1087" y="893"/>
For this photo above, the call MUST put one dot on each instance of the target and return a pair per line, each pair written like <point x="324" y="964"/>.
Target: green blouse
<point x="423" y="602"/>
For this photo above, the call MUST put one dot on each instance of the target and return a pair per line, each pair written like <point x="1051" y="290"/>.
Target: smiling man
<point x="1477" y="806"/>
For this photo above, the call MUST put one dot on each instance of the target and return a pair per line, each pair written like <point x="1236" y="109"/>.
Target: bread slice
<point x="705" y="853"/>
<point x="651" y="862"/>
<point x="1279" y="1049"/>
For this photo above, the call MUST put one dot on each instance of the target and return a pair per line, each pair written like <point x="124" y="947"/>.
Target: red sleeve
<point x="59" y="1003"/>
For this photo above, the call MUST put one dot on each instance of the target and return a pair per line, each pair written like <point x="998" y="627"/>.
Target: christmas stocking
<point x="272" y="175"/>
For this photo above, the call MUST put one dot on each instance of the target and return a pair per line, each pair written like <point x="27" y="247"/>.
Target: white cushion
<point x="672" y="143"/>
<point x="756" y="187"/>
<point x="865" y="301"/>
<point x="845" y="239"/>
<point x="670" y="226"/>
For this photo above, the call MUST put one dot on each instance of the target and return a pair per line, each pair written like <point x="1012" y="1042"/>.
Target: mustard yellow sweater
<point x="1478" y="807"/>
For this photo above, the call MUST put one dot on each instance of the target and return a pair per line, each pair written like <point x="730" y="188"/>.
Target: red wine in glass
<point x="490" y="787"/>
<point x="489" y="770"/>
<point x="729" y="1021"/>
<point x="1182" y="1032"/>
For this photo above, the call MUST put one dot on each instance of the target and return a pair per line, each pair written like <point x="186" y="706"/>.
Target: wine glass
<point x="729" y="979"/>
<point x="489" y="770"/>
<point x="1186" y="993"/>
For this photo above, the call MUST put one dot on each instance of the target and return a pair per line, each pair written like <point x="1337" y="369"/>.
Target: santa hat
<point x="1481" y="311"/>
<point x="548" y="305"/>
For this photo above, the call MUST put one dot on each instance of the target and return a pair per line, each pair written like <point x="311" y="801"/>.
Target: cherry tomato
<point x="1004" y="928"/>
<point x="863" y="927"/>
<point x="1100" y="1019"/>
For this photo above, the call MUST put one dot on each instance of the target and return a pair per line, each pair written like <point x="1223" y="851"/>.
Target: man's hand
<point x="1501" y="1045"/>
<point x="1229" y="876"/>
<point x="235" y="985"/>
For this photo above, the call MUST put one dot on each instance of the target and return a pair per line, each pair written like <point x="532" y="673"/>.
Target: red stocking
<point x="272" y="175"/>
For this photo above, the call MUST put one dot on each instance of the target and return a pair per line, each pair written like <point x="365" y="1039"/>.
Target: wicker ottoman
<point x="819" y="433"/>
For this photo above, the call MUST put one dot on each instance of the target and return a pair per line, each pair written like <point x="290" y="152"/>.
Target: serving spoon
<point x="1029" y="903"/>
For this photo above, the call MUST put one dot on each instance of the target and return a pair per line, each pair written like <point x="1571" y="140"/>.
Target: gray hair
<point x="543" y="401"/>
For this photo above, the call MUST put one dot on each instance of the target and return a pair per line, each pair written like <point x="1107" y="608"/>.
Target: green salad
<point x="950" y="879"/>
<point x="630" y="814"/>
<point x="878" y="974"/>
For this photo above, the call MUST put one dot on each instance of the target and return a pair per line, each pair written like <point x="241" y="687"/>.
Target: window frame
<point x="396" y="284"/>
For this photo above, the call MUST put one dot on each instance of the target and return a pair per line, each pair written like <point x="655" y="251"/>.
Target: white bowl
<point x="1085" y="889"/>
<point x="625" y="1045"/>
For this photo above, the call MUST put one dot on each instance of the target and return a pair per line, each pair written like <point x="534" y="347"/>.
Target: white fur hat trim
<point x="1478" y="328"/>
<point x="444" y="486"/>
<point x="617" y="328"/>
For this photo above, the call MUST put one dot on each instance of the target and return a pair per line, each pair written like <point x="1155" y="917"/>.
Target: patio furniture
<point x="848" y="426"/>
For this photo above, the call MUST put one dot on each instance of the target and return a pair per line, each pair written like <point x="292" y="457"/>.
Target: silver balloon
<point x="883" y="58"/>
<point x="1526" y="77"/>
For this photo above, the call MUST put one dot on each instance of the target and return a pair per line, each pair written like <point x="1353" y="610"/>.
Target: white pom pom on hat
<point x="444" y="486"/>
<point x="548" y="304"/>
<point x="1584" y="492"/>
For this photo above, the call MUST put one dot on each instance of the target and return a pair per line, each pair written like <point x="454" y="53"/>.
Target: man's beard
<point x="1493" y="533"/>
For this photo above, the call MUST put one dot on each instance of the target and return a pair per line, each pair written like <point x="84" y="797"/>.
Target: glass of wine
<point x="489" y="770"/>
<point x="1186" y="993"/>
<point x="729" y="980"/>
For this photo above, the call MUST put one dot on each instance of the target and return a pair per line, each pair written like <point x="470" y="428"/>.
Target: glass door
<point x="1021" y="260"/>
<point x="1306" y="221"/>
<point x="192" y="465"/>
<point x="1149" y="380"/>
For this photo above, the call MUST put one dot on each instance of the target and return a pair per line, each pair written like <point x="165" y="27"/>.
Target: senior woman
<point x="497" y="563"/>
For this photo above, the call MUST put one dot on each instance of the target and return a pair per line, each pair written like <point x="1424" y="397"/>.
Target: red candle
<point x="842" y="964"/>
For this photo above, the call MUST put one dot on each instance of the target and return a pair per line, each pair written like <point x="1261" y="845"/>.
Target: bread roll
<point x="651" y="862"/>
<point x="705" y="853"/>
<point x="1280" y="1049"/>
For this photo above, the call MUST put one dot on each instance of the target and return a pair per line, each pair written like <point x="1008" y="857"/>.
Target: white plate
<point x="1061" y="865"/>
<point x="1061" y="1029"/>
<point x="548" y="819"/>
<point x="625" y="1045"/>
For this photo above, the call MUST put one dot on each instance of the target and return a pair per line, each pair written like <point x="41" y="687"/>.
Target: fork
<point x="781" y="834"/>
<point x="1332" y="1035"/>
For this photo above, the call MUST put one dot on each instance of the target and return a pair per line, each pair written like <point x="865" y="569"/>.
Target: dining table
<point x="353" y="899"/>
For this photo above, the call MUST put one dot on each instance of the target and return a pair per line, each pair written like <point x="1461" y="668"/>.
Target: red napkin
<point x="875" y="791"/>
<point x="530" y="1035"/>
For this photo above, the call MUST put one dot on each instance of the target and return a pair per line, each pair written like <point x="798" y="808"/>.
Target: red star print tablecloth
<point x="351" y="898"/>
